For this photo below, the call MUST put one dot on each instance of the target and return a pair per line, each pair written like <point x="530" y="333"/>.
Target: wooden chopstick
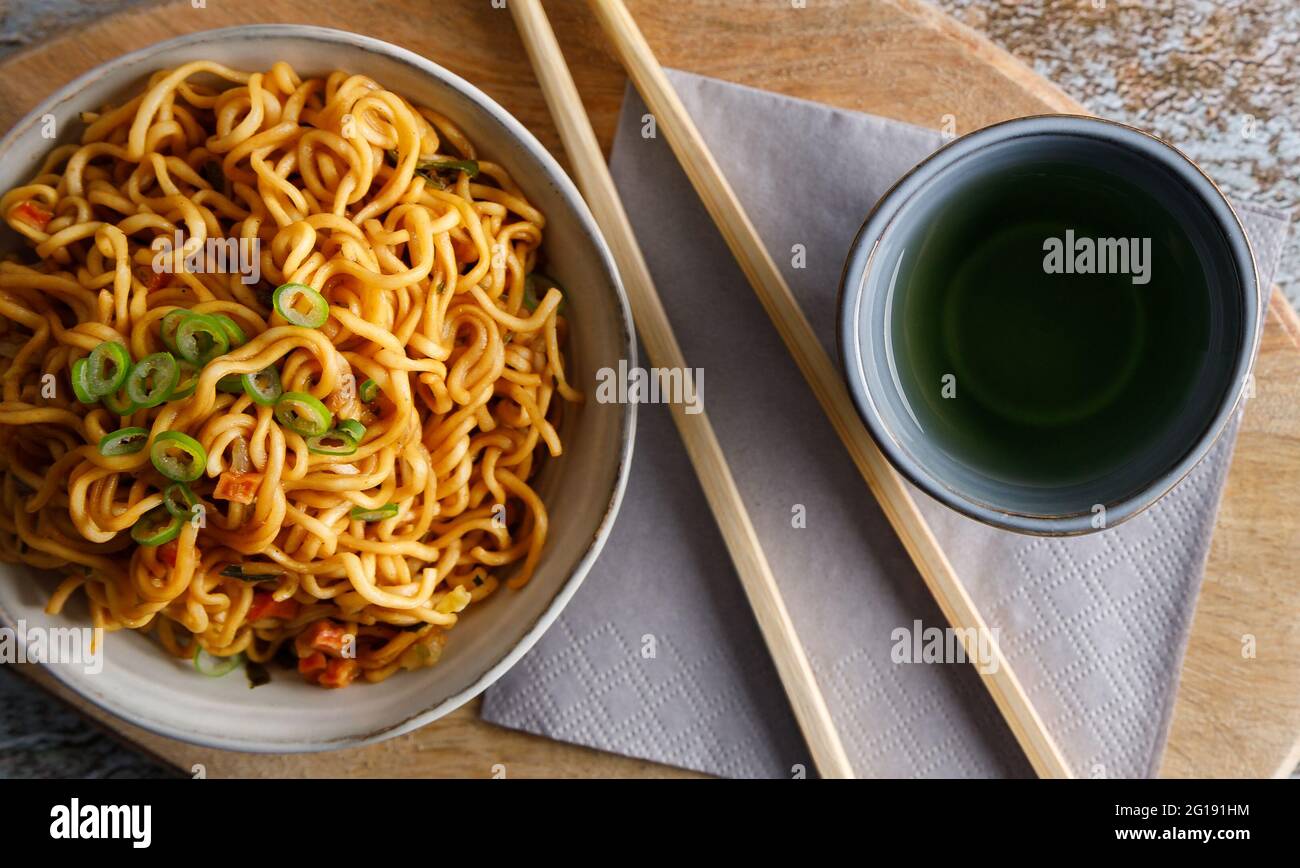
<point x="693" y="154"/>
<point x="588" y="165"/>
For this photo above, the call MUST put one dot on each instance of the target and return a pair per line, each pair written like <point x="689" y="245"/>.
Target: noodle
<point x="347" y="514"/>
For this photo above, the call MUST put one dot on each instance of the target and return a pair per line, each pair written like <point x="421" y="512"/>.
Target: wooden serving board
<point x="898" y="58"/>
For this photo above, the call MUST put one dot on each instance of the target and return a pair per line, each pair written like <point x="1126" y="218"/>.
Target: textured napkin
<point x="658" y="655"/>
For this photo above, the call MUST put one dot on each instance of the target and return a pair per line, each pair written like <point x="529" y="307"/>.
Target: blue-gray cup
<point x="872" y="294"/>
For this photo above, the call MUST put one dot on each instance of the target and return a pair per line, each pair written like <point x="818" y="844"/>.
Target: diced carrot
<point x="312" y="664"/>
<point x="237" y="487"/>
<point x="324" y="635"/>
<point x="31" y="212"/>
<point x="339" y="673"/>
<point x="266" y="606"/>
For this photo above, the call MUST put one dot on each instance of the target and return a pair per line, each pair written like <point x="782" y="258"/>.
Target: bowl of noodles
<point x="295" y="330"/>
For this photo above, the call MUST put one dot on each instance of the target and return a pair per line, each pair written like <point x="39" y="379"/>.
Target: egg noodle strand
<point x="428" y="274"/>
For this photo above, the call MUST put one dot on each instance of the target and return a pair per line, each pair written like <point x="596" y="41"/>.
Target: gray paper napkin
<point x="658" y="655"/>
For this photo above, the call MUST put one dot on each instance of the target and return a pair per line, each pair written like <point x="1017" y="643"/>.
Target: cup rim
<point x="881" y="219"/>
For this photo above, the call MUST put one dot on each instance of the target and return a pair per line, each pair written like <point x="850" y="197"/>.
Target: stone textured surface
<point x="1220" y="78"/>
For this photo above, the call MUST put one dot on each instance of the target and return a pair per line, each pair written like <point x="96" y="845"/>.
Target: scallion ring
<point x="153" y="380"/>
<point x="232" y="383"/>
<point x="368" y="391"/>
<point x="179" y="500"/>
<point x="155" y="527"/>
<point x="201" y="338"/>
<point x="291" y="298"/>
<point x="119" y="403"/>
<point x="187" y="382"/>
<point x="170" y="323"/>
<point x="123" y="441"/>
<point x="213" y="666"/>
<point x="263" y="386"/>
<point x="178" y="456"/>
<point x="303" y="414"/>
<point x="332" y="443"/>
<point x="80" y="383"/>
<point x="360" y="513"/>
<point x="235" y="335"/>
<point x="352" y="428"/>
<point x="106" y="368"/>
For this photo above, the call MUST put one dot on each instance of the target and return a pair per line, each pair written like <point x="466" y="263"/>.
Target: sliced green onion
<point x="290" y="295"/>
<point x="201" y="338"/>
<point x="252" y="572"/>
<point x="106" y="368"/>
<point x="428" y="167"/>
<point x="332" y="443"/>
<point x="360" y="513"/>
<point x="234" y="334"/>
<point x="155" y="527"/>
<point x="123" y="441"/>
<point x="179" y="500"/>
<point x="232" y="383"/>
<point x="153" y="380"/>
<point x="187" y="382"/>
<point x="303" y="414"/>
<point x="352" y="428"/>
<point x="264" y="386"/>
<point x="369" y="391"/>
<point x="119" y="404"/>
<point x="186" y="466"/>
<point x="170" y="323"/>
<point x="81" y="382"/>
<point x="213" y="666"/>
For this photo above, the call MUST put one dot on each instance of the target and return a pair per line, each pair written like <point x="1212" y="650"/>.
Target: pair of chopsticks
<point x="706" y="454"/>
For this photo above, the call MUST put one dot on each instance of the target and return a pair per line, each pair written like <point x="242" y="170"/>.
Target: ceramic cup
<point x="872" y="295"/>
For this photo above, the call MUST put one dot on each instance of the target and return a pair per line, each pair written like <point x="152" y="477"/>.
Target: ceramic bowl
<point x="871" y="300"/>
<point x="582" y="488"/>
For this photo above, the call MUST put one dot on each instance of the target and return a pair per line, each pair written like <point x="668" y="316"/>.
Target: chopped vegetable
<point x="237" y="487"/>
<point x="360" y="513"/>
<point x="352" y="428"/>
<point x="179" y="500"/>
<point x="332" y="443"/>
<point x="323" y="635"/>
<point x="187" y="382"/>
<point x="303" y="414"/>
<point x="178" y="456"/>
<point x="339" y="673"/>
<point x="170" y="323"/>
<point x="201" y="338"/>
<point x="266" y="606"/>
<point x="32" y="213"/>
<point x="234" y="334"/>
<point x="214" y="666"/>
<point x="232" y="384"/>
<point x="107" y="367"/>
<point x="257" y="674"/>
<point x="155" y="527"/>
<point x="433" y="169"/>
<point x="123" y="441"/>
<point x="119" y="403"/>
<point x="153" y="380"/>
<point x="264" y="386"/>
<point x="81" y="382"/>
<point x="252" y="572"/>
<point x="369" y="391"/>
<point x="290" y="299"/>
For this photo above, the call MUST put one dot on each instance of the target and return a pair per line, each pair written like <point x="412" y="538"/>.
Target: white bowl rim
<point x="555" y="174"/>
